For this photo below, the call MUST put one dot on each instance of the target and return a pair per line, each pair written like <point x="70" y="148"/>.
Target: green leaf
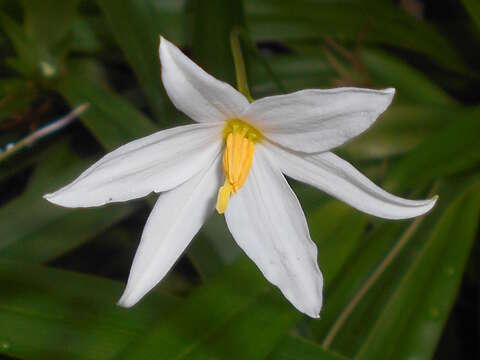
<point x="412" y="85"/>
<point x="172" y="18"/>
<point x="454" y="149"/>
<point x="66" y="233"/>
<point x="349" y="20"/>
<point x="204" y="252"/>
<point x="137" y="30"/>
<point x="80" y="310"/>
<point x="111" y="119"/>
<point x="220" y="239"/>
<point x="256" y="57"/>
<point x="42" y="42"/>
<point x="35" y="230"/>
<point x="296" y="348"/>
<point x="84" y="38"/>
<point x="402" y="127"/>
<point x="211" y="39"/>
<point x="268" y="318"/>
<point x="55" y="314"/>
<point x="26" y="61"/>
<point x="353" y="274"/>
<point x="296" y="72"/>
<point x="411" y="323"/>
<point x="375" y="68"/>
<point x="21" y="216"/>
<point x="49" y="21"/>
<point x="473" y="8"/>
<point x="336" y="242"/>
<point x="364" y="287"/>
<point x="220" y="320"/>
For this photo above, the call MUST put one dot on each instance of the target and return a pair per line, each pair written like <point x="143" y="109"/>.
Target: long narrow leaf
<point x="35" y="230"/>
<point x="411" y="323"/>
<point x="454" y="149"/>
<point x="137" y="30"/>
<point x="349" y="20"/>
<point x="111" y="119"/>
<point x="57" y="314"/>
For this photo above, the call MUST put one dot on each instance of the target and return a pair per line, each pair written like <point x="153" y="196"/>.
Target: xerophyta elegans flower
<point x="234" y="159"/>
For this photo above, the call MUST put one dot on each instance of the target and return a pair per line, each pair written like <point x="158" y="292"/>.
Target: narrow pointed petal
<point x="175" y="219"/>
<point x="267" y="222"/>
<point x="317" y="120"/>
<point x="194" y="92"/>
<point x="158" y="162"/>
<point x="340" y="179"/>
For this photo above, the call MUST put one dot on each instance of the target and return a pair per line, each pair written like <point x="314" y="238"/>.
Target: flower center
<point x="240" y="139"/>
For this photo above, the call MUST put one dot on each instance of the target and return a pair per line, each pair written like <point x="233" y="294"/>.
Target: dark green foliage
<point x="215" y="304"/>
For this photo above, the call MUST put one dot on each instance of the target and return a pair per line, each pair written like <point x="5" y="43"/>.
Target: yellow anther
<point x="223" y="197"/>
<point x="240" y="139"/>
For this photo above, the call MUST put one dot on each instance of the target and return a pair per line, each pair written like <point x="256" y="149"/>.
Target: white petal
<point x="317" y="120"/>
<point x="157" y="163"/>
<point x="340" y="179"/>
<point x="195" y="92"/>
<point x="174" y="221"/>
<point x="267" y="222"/>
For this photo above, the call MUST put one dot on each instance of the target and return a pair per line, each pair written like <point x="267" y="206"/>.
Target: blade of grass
<point x="411" y="323"/>
<point x="111" y="119"/>
<point x="58" y="314"/>
<point x="136" y="30"/>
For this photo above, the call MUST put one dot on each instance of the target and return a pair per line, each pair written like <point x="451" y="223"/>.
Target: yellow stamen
<point x="223" y="197"/>
<point x="240" y="139"/>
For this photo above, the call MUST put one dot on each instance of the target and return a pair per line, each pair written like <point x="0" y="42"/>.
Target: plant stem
<point x="43" y="132"/>
<point x="239" y="62"/>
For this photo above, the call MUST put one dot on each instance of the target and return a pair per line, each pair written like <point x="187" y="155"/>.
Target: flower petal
<point x="267" y="222"/>
<point x="157" y="163"/>
<point x="175" y="219"/>
<point x="317" y="120"/>
<point x="340" y="179"/>
<point x="195" y="92"/>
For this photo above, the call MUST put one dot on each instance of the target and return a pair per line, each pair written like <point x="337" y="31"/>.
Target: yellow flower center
<point x="240" y="139"/>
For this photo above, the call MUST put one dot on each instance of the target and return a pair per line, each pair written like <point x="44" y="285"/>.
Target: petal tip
<point x="162" y="46"/>
<point x="429" y="205"/>
<point x="311" y="306"/>
<point x="127" y="300"/>
<point x="313" y="312"/>
<point x="162" y="40"/>
<point x="434" y="200"/>
<point x="389" y="94"/>
<point x="59" y="199"/>
<point x="53" y="198"/>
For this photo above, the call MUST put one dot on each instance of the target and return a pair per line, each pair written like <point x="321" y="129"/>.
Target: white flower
<point x="261" y="142"/>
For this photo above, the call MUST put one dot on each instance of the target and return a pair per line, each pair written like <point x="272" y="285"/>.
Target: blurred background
<point x="396" y="290"/>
